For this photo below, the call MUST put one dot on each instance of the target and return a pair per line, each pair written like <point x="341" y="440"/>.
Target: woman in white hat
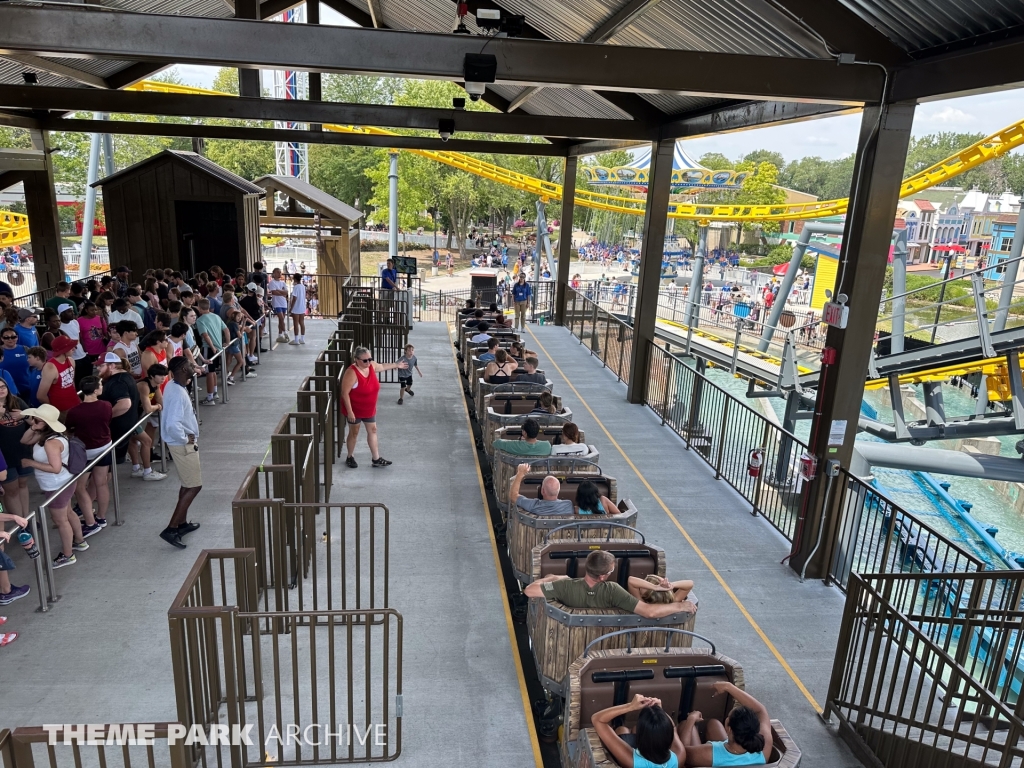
<point x="50" y="454"/>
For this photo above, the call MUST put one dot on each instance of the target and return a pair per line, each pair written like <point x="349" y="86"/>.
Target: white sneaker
<point x="154" y="476"/>
<point x="294" y="342"/>
<point x="230" y="381"/>
<point x="207" y="402"/>
<point x="302" y="339"/>
<point x="281" y="338"/>
<point x="251" y="375"/>
<point x="138" y="472"/>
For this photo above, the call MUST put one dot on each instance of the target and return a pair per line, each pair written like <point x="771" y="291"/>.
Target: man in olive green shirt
<point x="594" y="591"/>
<point x="528" y="445"/>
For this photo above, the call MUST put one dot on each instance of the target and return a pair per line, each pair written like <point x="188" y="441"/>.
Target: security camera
<point x="458" y="102"/>
<point x="446" y="128"/>
<point x="475" y="90"/>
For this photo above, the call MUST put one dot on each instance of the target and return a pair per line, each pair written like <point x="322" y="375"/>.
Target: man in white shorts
<point x="277" y="288"/>
<point x="297" y="309"/>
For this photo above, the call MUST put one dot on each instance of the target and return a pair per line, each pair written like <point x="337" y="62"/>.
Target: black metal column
<point x="43" y="224"/>
<point x="881" y="154"/>
<point x="315" y="78"/>
<point x="651" y="252"/>
<point x="565" y="237"/>
<point x="248" y="79"/>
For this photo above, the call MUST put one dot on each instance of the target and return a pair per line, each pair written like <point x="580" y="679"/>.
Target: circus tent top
<point x="686" y="173"/>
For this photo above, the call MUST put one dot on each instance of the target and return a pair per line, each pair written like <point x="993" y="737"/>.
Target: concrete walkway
<point x="774" y="622"/>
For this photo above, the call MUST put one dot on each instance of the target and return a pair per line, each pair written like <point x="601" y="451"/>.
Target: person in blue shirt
<point x="28" y="336"/>
<point x="653" y="744"/>
<point x="521" y="293"/>
<point x="14" y="362"/>
<point x="36" y="361"/>
<point x="745" y="738"/>
<point x="389" y="277"/>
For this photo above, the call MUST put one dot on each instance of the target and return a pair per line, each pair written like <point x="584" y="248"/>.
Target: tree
<point x="826" y="179"/>
<point x="361" y="89"/>
<point x="341" y="171"/>
<point x="14" y="138"/>
<point x="761" y="188"/>
<point x="715" y="161"/>
<point x="759" y="156"/>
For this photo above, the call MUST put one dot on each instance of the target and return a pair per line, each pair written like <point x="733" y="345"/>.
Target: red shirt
<point x="364" y="395"/>
<point x="62" y="394"/>
<point x="91" y="423"/>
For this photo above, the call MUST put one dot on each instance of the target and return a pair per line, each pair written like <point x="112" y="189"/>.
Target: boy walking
<point x="405" y="374"/>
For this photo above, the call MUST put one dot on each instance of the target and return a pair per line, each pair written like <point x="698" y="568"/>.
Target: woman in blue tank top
<point x="654" y="743"/>
<point x="744" y="739"/>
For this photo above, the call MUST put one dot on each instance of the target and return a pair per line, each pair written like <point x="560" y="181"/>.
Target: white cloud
<point x="823" y="141"/>
<point x="950" y="116"/>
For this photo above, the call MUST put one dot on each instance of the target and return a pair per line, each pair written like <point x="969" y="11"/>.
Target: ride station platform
<point x="753" y="608"/>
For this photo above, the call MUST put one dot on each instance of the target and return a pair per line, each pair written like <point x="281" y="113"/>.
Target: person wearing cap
<point x="57" y="385"/>
<point x="50" y="454"/>
<point x="71" y="328"/>
<point x="62" y="296"/>
<point x="28" y="336"/>
<point x="121" y="391"/>
<point x="120" y="284"/>
<point x="180" y="429"/>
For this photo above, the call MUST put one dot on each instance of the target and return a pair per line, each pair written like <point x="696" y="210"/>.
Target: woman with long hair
<point x="50" y="454"/>
<point x="745" y="738"/>
<point x="12" y="429"/>
<point x="654" y="742"/>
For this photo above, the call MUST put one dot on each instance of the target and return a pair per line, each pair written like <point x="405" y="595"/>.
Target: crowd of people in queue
<point x="112" y="361"/>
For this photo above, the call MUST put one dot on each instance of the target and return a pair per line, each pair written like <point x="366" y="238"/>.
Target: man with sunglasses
<point x="14" y="360"/>
<point x="359" y="390"/>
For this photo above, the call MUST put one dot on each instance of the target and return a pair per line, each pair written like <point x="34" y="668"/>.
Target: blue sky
<point x="829" y="137"/>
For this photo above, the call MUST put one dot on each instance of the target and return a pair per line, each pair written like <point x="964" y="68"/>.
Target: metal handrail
<point x="579" y="525"/>
<point x="629" y="644"/>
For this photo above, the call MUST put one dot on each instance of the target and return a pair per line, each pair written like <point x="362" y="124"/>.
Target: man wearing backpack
<point x="180" y="430"/>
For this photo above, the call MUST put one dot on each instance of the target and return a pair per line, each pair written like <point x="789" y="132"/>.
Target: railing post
<point x="842" y="646"/>
<point x="759" y="481"/>
<point x="669" y="366"/>
<point x="721" y="440"/>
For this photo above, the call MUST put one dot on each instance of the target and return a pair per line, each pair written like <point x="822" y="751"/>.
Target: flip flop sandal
<point x="8" y="638"/>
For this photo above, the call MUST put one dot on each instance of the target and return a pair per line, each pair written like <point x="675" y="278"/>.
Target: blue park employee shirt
<point x="15" y="364"/>
<point x="389" y="279"/>
<point x="521" y="291"/>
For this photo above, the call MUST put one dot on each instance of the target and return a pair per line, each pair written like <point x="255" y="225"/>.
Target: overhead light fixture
<point x="479" y="69"/>
<point x="446" y="128"/>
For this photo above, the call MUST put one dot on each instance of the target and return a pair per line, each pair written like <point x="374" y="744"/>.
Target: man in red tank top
<point x="57" y="385"/>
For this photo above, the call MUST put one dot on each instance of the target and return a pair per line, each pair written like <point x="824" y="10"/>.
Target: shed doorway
<point x="207" y="236"/>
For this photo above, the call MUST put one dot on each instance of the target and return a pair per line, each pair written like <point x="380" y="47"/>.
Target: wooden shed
<point x="178" y="209"/>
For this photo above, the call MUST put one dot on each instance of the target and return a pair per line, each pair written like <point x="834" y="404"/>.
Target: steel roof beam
<point x="748" y="114"/>
<point x="188" y="130"/>
<point x="194" y="105"/>
<point x="582" y="149"/>
<point x="62" y="70"/>
<point x="73" y="32"/>
<point x="984" y="68"/>
<point x="623" y="17"/>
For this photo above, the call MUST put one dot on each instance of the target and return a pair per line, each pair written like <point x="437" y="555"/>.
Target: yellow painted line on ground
<point x="527" y="709"/>
<point x="704" y="558"/>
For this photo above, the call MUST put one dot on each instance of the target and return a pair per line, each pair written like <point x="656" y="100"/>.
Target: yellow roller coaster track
<point x="996" y="145"/>
<point x="13" y="228"/>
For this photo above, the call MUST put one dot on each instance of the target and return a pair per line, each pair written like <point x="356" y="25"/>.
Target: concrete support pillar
<point x="651" y="252"/>
<point x="89" y="213"/>
<point x="881" y="154"/>
<point x="393" y="206"/>
<point x="315" y="78"/>
<point x="43" y="224"/>
<point x="697" y="278"/>
<point x="248" y="79"/>
<point x="565" y="237"/>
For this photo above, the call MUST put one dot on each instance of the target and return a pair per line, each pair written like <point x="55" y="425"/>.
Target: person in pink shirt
<point x="94" y="331"/>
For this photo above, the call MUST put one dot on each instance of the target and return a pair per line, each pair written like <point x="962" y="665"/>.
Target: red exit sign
<point x="835" y="314"/>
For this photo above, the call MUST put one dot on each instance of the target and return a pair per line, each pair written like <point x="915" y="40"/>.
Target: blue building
<point x="1002" y="241"/>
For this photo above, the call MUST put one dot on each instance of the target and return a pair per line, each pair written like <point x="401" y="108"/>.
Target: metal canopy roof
<point x="896" y="33"/>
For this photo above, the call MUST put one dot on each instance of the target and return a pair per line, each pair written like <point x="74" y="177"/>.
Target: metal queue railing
<point x="875" y="534"/>
<point x="235" y="664"/>
<point x="31" y="747"/>
<point x="39" y="297"/>
<point x="444" y="306"/>
<point x="928" y="671"/>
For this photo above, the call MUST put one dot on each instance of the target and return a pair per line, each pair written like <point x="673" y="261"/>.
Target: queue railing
<point x="927" y="670"/>
<point x="444" y="305"/>
<point x="606" y="336"/>
<point x="316" y="395"/>
<point x="294" y="442"/>
<point x="235" y="665"/>
<point x="118" y="745"/>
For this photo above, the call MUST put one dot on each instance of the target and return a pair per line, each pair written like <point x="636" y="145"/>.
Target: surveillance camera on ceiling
<point x="479" y="69"/>
<point x="475" y="90"/>
<point x="446" y="128"/>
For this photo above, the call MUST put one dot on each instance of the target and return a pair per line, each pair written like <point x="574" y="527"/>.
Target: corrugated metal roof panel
<point x="724" y="26"/>
<point x="210" y="8"/>
<point x="98" y="67"/>
<point x="565" y="20"/>
<point x="676" y="103"/>
<point x="918" y="24"/>
<point x="10" y="74"/>
<point x="564" y="102"/>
